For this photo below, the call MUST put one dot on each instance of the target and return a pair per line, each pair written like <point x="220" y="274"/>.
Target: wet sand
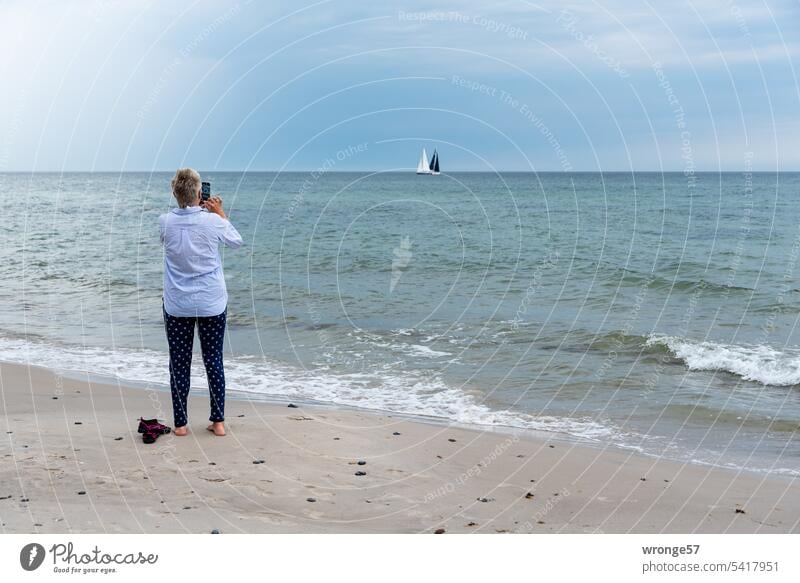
<point x="72" y="461"/>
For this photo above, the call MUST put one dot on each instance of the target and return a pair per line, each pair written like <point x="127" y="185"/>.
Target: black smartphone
<point x="205" y="192"/>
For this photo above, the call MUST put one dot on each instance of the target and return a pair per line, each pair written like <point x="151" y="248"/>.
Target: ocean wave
<point x="408" y="394"/>
<point x="757" y="363"/>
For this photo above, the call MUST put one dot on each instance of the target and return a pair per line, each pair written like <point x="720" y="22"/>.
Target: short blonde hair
<point x="185" y="186"/>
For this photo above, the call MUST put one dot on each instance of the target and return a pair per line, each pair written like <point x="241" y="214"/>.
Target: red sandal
<point x="152" y="426"/>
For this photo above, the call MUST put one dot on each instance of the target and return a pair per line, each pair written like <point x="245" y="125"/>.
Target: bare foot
<point x="217" y="428"/>
<point x="179" y="431"/>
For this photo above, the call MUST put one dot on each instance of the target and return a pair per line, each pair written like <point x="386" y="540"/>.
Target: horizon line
<point x="410" y="171"/>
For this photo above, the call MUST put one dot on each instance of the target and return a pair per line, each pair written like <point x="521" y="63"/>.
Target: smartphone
<point x="205" y="193"/>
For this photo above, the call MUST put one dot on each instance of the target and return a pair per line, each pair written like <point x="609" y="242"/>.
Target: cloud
<point x="125" y="83"/>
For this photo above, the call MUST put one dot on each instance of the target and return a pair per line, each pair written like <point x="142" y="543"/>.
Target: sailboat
<point x="422" y="167"/>
<point x="435" y="163"/>
<point x="428" y="168"/>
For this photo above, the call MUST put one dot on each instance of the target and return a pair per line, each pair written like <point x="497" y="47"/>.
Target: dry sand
<point x="75" y="463"/>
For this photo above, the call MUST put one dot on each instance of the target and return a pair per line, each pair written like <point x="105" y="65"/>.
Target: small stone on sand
<point x="361" y="473"/>
<point x="117" y="439"/>
<point x="438" y="531"/>
<point x="361" y="463"/>
<point x="258" y="461"/>
<point x="292" y="406"/>
<point x="79" y="423"/>
<point x="215" y="531"/>
<point x="311" y="499"/>
<point x="739" y="511"/>
<point x="528" y="496"/>
<point x="396" y="433"/>
<point x="451" y="440"/>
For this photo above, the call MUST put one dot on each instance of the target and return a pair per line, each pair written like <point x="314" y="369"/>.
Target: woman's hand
<point x="214" y="205"/>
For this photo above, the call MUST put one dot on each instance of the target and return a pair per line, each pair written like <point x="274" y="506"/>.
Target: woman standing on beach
<point x="195" y="293"/>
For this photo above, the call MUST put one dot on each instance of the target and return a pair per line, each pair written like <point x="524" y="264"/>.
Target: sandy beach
<point x="73" y="462"/>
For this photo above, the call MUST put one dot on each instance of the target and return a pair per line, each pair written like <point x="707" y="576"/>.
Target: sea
<point x="647" y="312"/>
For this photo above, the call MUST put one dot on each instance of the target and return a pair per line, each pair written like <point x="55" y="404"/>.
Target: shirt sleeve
<point x="228" y="234"/>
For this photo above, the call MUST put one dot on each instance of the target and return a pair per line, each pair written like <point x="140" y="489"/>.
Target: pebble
<point x="258" y="461"/>
<point x="643" y="479"/>
<point x="240" y="415"/>
<point x="472" y="524"/>
<point x="451" y="440"/>
<point x="483" y="499"/>
<point x="212" y="463"/>
<point x="79" y="423"/>
<point x="361" y="473"/>
<point x="82" y="493"/>
<point x="739" y="511"/>
<point x="25" y="499"/>
<point x="292" y="406"/>
<point x="5" y="497"/>
<point x="361" y="463"/>
<point x="551" y="446"/>
<point x="528" y="496"/>
<point x="55" y="398"/>
<point x="215" y="531"/>
<point x="117" y="439"/>
<point x="311" y="499"/>
<point x="336" y="438"/>
<point x="438" y="531"/>
<point x="396" y="433"/>
<point x="187" y="507"/>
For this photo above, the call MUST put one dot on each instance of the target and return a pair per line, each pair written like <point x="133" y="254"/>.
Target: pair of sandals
<point x="151" y="429"/>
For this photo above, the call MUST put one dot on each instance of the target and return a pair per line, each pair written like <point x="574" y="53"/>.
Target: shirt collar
<point x="188" y="210"/>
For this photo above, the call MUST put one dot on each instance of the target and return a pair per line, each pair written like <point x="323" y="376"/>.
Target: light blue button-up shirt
<point x="193" y="281"/>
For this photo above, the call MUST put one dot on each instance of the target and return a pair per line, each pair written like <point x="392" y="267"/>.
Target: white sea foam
<point x="758" y="363"/>
<point x="409" y="394"/>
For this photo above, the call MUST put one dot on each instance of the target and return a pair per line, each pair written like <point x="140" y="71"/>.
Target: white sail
<point x="422" y="167"/>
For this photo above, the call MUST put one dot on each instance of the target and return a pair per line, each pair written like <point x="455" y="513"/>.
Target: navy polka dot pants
<point x="180" y="337"/>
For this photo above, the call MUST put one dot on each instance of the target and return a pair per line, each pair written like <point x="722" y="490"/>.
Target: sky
<point x="614" y="85"/>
